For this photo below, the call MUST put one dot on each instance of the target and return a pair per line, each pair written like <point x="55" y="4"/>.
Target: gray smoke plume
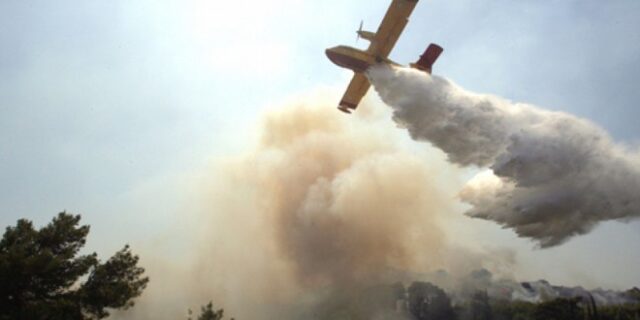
<point x="552" y="175"/>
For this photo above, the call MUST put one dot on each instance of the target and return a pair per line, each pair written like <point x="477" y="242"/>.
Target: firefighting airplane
<point x="382" y="42"/>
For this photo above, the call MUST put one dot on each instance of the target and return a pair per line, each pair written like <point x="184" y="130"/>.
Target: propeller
<point x="359" y="30"/>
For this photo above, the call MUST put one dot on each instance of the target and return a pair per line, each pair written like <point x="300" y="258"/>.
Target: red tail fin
<point x="428" y="58"/>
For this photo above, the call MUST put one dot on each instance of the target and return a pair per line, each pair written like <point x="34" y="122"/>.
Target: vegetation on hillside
<point x="425" y="301"/>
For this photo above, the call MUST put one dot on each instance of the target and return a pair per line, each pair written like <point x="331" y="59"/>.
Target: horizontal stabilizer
<point x="367" y="35"/>
<point x="428" y="58"/>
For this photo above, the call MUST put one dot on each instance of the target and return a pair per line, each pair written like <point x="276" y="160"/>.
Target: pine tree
<point x="40" y="273"/>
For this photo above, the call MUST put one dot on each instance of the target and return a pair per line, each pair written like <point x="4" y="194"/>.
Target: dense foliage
<point x="40" y="273"/>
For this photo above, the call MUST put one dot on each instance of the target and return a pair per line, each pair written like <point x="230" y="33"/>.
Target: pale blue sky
<point x="104" y="103"/>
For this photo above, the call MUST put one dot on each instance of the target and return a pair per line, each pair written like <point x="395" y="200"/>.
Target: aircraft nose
<point x="328" y="53"/>
<point x="331" y="54"/>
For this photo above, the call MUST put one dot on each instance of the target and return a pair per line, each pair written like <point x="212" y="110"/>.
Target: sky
<point x="110" y="109"/>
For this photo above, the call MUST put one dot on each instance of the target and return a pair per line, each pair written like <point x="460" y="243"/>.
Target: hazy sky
<point x="106" y="106"/>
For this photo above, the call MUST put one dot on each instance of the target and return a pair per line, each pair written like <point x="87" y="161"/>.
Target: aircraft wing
<point x="391" y="27"/>
<point x="358" y="87"/>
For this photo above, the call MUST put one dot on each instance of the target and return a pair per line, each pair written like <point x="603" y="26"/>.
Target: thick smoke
<point x="324" y="204"/>
<point x="552" y="175"/>
<point x="319" y="208"/>
<point x="345" y="203"/>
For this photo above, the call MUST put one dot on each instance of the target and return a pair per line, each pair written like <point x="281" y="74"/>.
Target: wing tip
<point x="346" y="106"/>
<point x="343" y="109"/>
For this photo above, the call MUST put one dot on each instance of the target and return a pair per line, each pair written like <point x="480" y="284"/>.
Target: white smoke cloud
<point x="552" y="175"/>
